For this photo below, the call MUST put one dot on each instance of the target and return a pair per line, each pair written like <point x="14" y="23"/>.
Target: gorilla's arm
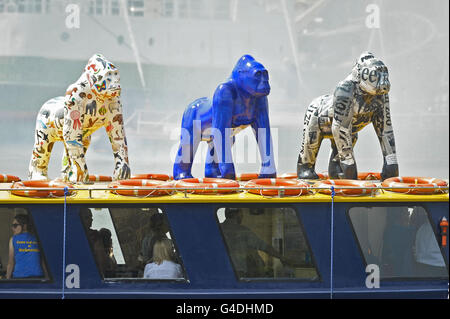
<point x="383" y="127"/>
<point x="261" y="129"/>
<point x="222" y="114"/>
<point x="116" y="133"/>
<point x="73" y="133"/>
<point x="342" y="127"/>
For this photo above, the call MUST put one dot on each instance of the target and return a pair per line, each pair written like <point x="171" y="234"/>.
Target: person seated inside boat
<point x="398" y="241"/>
<point x="243" y="246"/>
<point x="163" y="265"/>
<point x="107" y="261"/>
<point x="158" y="229"/>
<point x="24" y="254"/>
<point x="100" y="242"/>
<point x="428" y="255"/>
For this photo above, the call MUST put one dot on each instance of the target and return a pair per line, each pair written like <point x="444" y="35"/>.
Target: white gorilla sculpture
<point x="90" y="103"/>
<point x="360" y="99"/>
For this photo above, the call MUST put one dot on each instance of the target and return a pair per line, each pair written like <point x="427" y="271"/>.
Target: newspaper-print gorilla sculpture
<point x="90" y="103"/>
<point x="360" y="99"/>
<point x="238" y="103"/>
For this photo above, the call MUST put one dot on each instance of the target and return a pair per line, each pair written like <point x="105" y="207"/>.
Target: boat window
<point x="132" y="243"/>
<point x="400" y="240"/>
<point x="21" y="255"/>
<point x="266" y="243"/>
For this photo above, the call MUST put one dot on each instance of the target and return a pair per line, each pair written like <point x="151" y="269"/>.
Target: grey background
<point x="185" y="48"/>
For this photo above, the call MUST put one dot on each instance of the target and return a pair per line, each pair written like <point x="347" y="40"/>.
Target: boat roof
<point x="98" y="193"/>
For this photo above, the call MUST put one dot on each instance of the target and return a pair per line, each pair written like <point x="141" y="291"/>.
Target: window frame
<point x="390" y="204"/>
<point x="318" y="278"/>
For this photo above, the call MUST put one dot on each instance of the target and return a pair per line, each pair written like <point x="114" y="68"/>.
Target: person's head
<point x="158" y="223"/>
<point x="398" y="216"/>
<point x="163" y="250"/>
<point x="105" y="235"/>
<point x="86" y="217"/>
<point x="233" y="214"/>
<point x="20" y="224"/>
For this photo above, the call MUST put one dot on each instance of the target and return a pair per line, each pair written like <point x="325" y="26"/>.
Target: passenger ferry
<point x="279" y="238"/>
<point x="297" y="239"/>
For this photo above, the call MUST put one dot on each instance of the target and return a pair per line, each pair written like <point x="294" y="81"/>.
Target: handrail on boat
<point x="185" y="190"/>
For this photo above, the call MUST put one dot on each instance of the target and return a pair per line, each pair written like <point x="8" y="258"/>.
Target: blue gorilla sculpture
<point x="237" y="103"/>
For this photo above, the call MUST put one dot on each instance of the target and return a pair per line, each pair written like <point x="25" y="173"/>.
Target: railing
<point x="191" y="190"/>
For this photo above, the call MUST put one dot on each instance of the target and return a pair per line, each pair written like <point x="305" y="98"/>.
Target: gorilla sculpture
<point x="90" y="103"/>
<point x="237" y="103"/>
<point x="360" y="99"/>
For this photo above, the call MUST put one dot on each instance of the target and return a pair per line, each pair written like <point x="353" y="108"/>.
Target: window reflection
<point x="400" y="240"/>
<point x="266" y="243"/>
<point x="123" y="242"/>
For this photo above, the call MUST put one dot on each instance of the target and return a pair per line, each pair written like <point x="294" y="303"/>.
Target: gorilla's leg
<point x="66" y="170"/>
<point x="189" y="140"/>
<point x="312" y="138"/>
<point x="336" y="169"/>
<point x="212" y="162"/>
<point x="334" y="165"/>
<point x="43" y="145"/>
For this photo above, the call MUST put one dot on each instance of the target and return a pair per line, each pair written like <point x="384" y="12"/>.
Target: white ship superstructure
<point x="171" y="52"/>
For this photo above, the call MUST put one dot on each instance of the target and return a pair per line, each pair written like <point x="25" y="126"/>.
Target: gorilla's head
<point x="371" y="74"/>
<point x="103" y="76"/>
<point x="251" y="76"/>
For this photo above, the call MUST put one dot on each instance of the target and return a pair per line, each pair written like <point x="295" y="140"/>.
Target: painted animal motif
<point x="238" y="103"/>
<point x="73" y="118"/>
<point x="360" y="99"/>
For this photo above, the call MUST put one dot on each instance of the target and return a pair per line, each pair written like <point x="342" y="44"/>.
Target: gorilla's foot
<point x="335" y="170"/>
<point x="349" y="171"/>
<point x="305" y="171"/>
<point x="181" y="170"/>
<point x="182" y="175"/>
<point x="212" y="170"/>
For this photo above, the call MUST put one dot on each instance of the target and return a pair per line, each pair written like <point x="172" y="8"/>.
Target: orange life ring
<point x="8" y="178"/>
<point x="208" y="185"/>
<point x="244" y="177"/>
<point x="159" y="177"/>
<point x="364" y="187"/>
<point x="288" y="176"/>
<point x="100" y="178"/>
<point x="301" y="187"/>
<point x="141" y="187"/>
<point x="411" y="182"/>
<point x="361" y="176"/>
<point x="23" y="188"/>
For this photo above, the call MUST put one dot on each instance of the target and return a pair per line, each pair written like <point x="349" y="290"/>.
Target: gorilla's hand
<point x="305" y="171"/>
<point x="122" y="172"/>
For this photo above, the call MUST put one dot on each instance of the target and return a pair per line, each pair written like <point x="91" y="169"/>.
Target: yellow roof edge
<point x="101" y="197"/>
